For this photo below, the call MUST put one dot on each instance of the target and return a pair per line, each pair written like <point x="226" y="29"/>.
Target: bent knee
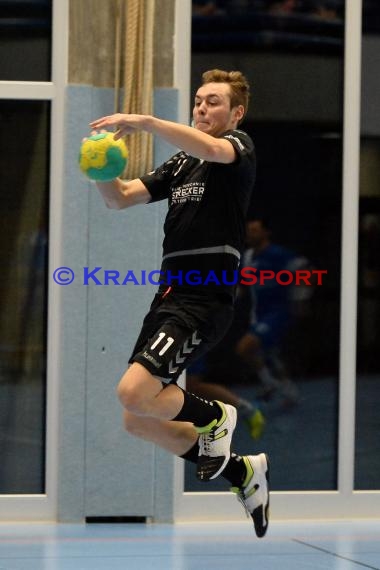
<point x="130" y="397"/>
<point x="138" y="389"/>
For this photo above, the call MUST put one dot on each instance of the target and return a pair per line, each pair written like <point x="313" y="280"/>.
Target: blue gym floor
<point x="288" y="546"/>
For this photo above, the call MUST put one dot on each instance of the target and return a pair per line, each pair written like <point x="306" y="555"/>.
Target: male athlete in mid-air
<point x="208" y="186"/>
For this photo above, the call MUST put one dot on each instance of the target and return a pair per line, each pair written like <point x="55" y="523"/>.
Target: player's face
<point x="212" y="112"/>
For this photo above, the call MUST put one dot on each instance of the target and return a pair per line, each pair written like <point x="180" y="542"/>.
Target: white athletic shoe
<point x="254" y="493"/>
<point x="215" y="443"/>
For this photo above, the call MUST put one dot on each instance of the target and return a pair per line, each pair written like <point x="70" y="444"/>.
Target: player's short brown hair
<point x="238" y="83"/>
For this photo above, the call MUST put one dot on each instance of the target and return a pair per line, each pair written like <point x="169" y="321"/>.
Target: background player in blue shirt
<point x="272" y="311"/>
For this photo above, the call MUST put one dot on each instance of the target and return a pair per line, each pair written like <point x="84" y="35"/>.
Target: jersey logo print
<point x="189" y="345"/>
<point x="191" y="192"/>
<point x="238" y="141"/>
<point x="182" y="159"/>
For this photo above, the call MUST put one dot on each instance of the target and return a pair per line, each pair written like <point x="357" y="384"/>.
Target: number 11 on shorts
<point x="169" y="342"/>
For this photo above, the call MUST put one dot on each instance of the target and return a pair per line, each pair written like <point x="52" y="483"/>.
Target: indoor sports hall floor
<point x="204" y="546"/>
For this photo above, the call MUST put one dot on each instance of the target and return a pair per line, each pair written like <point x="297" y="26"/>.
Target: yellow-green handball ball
<point x="102" y="158"/>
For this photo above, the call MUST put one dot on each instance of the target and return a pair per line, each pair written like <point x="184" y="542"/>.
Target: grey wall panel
<point x="73" y="310"/>
<point x="104" y="471"/>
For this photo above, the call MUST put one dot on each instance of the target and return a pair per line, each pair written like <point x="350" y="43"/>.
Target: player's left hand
<point x="125" y="124"/>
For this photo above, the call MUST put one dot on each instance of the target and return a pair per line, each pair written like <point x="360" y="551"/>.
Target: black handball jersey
<point x="205" y="224"/>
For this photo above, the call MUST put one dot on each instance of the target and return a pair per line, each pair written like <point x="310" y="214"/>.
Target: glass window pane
<point x="367" y="465"/>
<point x="24" y="149"/>
<point x="25" y="47"/>
<point x="292" y="54"/>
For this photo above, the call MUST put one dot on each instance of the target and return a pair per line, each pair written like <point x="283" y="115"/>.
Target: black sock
<point x="235" y="471"/>
<point x="192" y="454"/>
<point x="198" y="411"/>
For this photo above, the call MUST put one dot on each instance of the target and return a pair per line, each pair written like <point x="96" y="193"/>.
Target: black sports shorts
<point x="179" y="328"/>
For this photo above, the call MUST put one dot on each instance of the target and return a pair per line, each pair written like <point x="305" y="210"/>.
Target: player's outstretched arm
<point x="118" y="194"/>
<point x="193" y="141"/>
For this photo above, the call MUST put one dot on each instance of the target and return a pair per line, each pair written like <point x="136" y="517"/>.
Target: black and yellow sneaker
<point x="215" y="443"/>
<point x="254" y="493"/>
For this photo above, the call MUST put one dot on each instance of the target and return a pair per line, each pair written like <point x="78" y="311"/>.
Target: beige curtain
<point x="137" y="56"/>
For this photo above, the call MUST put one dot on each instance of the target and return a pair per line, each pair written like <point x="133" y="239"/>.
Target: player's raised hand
<point x="125" y="124"/>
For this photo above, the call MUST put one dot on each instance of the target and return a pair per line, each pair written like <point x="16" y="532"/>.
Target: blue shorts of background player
<point x="271" y="329"/>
